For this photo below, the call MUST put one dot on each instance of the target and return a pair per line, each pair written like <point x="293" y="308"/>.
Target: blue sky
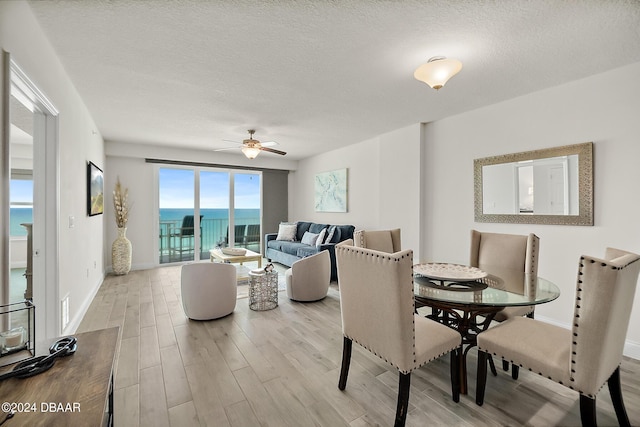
<point x="21" y="190"/>
<point x="176" y="189"/>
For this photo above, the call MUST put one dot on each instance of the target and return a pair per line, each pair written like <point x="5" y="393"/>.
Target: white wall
<point x="80" y="248"/>
<point x="603" y="109"/>
<point x="433" y="198"/>
<point x="383" y="181"/>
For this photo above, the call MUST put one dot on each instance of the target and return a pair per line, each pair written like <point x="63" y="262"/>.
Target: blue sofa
<point x="287" y="253"/>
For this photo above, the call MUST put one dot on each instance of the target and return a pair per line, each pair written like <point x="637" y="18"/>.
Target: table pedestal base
<point x="465" y="320"/>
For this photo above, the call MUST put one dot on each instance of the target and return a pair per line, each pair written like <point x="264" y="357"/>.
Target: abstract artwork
<point x="331" y="191"/>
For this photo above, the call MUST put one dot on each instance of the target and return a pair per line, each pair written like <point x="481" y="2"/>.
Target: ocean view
<point x="19" y="216"/>
<point x="242" y="216"/>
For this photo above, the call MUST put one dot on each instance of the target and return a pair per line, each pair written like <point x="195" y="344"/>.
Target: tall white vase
<point x="121" y="253"/>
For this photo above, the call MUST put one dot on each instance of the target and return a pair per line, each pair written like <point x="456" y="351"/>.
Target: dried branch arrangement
<point x="120" y="203"/>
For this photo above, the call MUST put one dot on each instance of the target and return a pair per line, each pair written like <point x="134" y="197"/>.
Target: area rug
<point x="242" y="273"/>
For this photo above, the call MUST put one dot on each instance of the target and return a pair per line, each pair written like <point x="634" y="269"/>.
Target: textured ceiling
<point x="317" y="75"/>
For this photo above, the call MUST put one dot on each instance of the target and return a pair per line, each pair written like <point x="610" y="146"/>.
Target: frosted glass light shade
<point x="251" y="152"/>
<point x="437" y="71"/>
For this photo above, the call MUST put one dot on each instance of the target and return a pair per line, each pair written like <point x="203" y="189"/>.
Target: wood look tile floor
<point x="280" y="368"/>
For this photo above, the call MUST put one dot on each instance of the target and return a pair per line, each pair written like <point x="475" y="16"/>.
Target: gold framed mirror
<point x="548" y="186"/>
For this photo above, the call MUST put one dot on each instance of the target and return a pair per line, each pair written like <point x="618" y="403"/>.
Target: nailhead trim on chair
<point x="592" y="396"/>
<point x="364" y="252"/>
<point x="575" y="334"/>
<point x="574" y="342"/>
<point x="395" y="366"/>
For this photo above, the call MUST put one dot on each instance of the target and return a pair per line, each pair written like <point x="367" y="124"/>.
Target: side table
<point x="263" y="290"/>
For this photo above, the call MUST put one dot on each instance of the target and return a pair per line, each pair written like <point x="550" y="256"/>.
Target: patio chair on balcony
<point x="253" y="235"/>
<point x="239" y="235"/>
<point x="183" y="239"/>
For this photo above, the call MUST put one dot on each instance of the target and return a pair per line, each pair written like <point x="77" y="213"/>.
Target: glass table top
<point x="504" y="288"/>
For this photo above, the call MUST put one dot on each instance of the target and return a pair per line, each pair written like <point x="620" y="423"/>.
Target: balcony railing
<point x="176" y="244"/>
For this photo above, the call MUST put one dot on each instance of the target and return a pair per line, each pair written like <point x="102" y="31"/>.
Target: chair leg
<point x="615" y="390"/>
<point x="347" y="344"/>
<point x="587" y="411"/>
<point x="481" y="380"/>
<point x="492" y="366"/>
<point x="455" y="374"/>
<point x="515" y="370"/>
<point x="505" y="365"/>
<point x="404" y="384"/>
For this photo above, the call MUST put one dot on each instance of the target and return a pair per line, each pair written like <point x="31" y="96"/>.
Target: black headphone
<point x="27" y="368"/>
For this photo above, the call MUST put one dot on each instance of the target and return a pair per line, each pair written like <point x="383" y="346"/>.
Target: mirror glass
<point x="550" y="186"/>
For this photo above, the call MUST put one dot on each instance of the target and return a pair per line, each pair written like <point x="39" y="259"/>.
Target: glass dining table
<point x="467" y="299"/>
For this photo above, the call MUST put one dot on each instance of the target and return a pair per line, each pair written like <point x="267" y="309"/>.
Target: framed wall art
<point x="95" y="190"/>
<point x="331" y="191"/>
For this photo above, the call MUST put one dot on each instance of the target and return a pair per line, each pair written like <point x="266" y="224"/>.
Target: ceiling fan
<point x="252" y="147"/>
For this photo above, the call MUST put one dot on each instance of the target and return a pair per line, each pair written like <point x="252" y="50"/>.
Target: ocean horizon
<point x="172" y="214"/>
<point x="242" y="216"/>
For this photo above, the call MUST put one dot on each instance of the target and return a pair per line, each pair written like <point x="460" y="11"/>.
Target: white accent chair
<point x="511" y="260"/>
<point x="380" y="240"/>
<point x="588" y="355"/>
<point x="377" y="305"/>
<point x="308" y="279"/>
<point x="209" y="290"/>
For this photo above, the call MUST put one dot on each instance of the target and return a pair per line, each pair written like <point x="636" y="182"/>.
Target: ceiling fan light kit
<point x="437" y="71"/>
<point x="250" y="152"/>
<point x="252" y="147"/>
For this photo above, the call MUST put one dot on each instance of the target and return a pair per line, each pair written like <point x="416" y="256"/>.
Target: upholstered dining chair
<point x="377" y="305"/>
<point x="511" y="260"/>
<point x="586" y="356"/>
<point x="380" y="240"/>
<point x="308" y="278"/>
<point x="209" y="290"/>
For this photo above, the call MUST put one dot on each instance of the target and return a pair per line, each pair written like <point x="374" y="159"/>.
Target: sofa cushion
<point x="309" y="238"/>
<point x="306" y="251"/>
<point x="321" y="236"/>
<point x="290" y="248"/>
<point x="287" y="231"/>
<point x="342" y="232"/>
<point x="331" y="231"/>
<point x="317" y="228"/>
<point x="303" y="227"/>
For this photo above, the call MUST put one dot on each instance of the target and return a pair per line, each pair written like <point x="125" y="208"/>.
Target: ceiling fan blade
<point x="269" y="144"/>
<point x="232" y="142"/>
<point x="225" y="149"/>
<point x="271" y="150"/>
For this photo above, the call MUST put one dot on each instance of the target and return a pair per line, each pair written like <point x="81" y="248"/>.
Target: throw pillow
<point x="309" y="238"/>
<point x="287" y="231"/>
<point x="321" y="237"/>
<point x="330" y="233"/>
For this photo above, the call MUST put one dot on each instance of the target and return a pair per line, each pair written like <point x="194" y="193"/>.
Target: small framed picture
<point x="95" y="190"/>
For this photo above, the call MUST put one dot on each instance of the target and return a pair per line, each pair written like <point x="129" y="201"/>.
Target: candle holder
<point x="17" y="332"/>
<point x="13" y="339"/>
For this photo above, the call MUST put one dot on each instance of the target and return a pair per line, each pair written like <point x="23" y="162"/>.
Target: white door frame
<point x="45" y="204"/>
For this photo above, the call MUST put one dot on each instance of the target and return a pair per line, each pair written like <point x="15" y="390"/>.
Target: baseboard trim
<point x="631" y="349"/>
<point x="74" y="323"/>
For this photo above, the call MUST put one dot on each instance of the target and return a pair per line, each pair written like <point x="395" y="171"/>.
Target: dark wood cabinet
<point x="77" y="390"/>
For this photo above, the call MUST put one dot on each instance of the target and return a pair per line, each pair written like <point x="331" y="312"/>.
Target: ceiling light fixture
<point x="251" y="147"/>
<point x="437" y="71"/>
<point x="250" y="152"/>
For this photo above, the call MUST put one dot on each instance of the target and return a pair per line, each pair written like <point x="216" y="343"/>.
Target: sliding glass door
<point x="202" y="209"/>
<point x="214" y="210"/>
<point x="177" y="210"/>
<point x="246" y="210"/>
